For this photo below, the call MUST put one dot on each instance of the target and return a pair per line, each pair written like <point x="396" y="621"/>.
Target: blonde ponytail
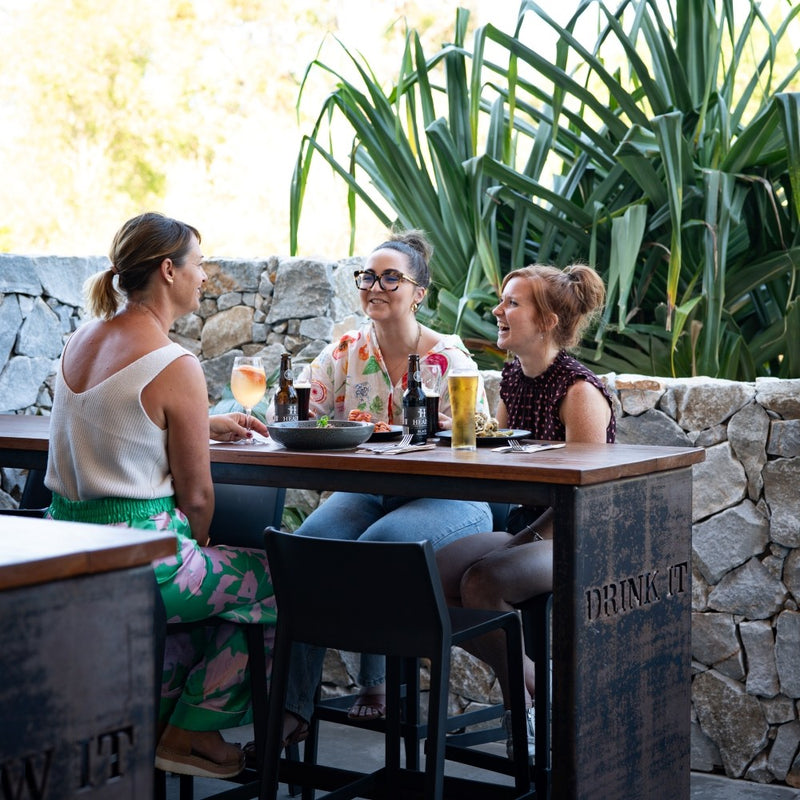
<point x="102" y="298"/>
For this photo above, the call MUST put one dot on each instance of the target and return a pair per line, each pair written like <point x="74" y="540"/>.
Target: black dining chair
<point x="469" y="730"/>
<point x="386" y="598"/>
<point x="240" y="515"/>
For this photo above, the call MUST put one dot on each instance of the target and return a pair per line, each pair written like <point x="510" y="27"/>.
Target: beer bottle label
<point x="286" y="412"/>
<point x="415" y="422"/>
<point x="288" y="375"/>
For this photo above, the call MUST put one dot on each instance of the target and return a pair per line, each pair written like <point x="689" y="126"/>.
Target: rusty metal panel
<point x="77" y="688"/>
<point x="622" y="640"/>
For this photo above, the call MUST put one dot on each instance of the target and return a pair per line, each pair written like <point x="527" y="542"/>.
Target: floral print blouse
<point x="351" y="374"/>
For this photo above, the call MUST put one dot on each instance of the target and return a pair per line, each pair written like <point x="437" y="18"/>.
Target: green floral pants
<point x="205" y="682"/>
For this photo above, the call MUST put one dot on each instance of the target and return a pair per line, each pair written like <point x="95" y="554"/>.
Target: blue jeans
<point x="376" y="518"/>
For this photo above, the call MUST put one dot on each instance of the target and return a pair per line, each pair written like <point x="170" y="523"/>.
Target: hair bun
<point x="416" y="240"/>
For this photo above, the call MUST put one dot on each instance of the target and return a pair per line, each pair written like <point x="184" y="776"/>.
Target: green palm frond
<point x="675" y="172"/>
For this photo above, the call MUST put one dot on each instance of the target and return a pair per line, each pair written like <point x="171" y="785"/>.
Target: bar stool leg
<point x="536" y="621"/>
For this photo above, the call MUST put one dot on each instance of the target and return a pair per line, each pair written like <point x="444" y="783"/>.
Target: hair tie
<point x="114" y="269"/>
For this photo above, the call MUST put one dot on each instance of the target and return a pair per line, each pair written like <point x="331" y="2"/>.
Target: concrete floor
<point x="351" y="747"/>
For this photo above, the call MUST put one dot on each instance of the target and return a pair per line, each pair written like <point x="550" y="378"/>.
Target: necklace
<point x="396" y="363"/>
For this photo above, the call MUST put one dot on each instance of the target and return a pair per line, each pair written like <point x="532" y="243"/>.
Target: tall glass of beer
<point x="462" y="385"/>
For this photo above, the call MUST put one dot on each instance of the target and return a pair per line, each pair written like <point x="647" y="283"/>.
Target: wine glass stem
<point x="247" y="412"/>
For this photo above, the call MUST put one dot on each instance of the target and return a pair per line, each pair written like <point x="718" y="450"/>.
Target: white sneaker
<point x="531" y="734"/>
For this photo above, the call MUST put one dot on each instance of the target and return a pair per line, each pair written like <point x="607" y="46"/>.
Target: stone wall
<point x="746" y="504"/>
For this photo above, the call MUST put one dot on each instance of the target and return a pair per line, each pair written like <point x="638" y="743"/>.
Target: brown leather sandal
<point x="192" y="763"/>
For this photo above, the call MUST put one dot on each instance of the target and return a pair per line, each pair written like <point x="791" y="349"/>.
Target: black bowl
<point x="307" y="435"/>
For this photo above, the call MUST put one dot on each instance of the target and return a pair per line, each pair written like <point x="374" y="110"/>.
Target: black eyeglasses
<point x="389" y="281"/>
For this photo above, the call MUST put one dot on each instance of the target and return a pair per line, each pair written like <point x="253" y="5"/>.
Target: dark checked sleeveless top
<point x="533" y="403"/>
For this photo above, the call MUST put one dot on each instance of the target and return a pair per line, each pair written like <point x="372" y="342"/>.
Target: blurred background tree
<point x="660" y="142"/>
<point x="111" y="107"/>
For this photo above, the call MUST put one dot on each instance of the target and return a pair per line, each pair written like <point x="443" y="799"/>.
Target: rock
<point x="226" y="331"/>
<point x="473" y="679"/>
<point x="62" y="278"/>
<point x="728" y="539"/>
<point x="719" y="482"/>
<point x="748" y="590"/>
<point x="759" y="647"/>
<point x="189" y="326"/>
<point x="708" y="437"/>
<point x="637" y="393"/>
<point x="787" y="646"/>
<point x="316" y="328"/>
<point x="232" y="276"/>
<point x="784" y="749"/>
<point x="41" y="333"/>
<point x="781" y="479"/>
<point x="793" y="776"/>
<point x="778" y="709"/>
<point x="10" y="322"/>
<point x="705" y="754"/>
<point x="784" y="438"/>
<point x="713" y="637"/>
<point x="229" y="300"/>
<point x="747" y="433"/>
<point x="651" y="427"/>
<point x="302" y="290"/>
<point x="18" y="276"/>
<point x="21" y="380"/>
<point x="780" y="396"/>
<point x="791" y="573"/>
<point x="731" y="718"/>
<point x="759" y="770"/>
<point x="697" y="403"/>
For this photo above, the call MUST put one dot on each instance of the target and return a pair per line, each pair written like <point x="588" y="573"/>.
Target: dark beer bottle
<point x="415" y="416"/>
<point x="286" y="396"/>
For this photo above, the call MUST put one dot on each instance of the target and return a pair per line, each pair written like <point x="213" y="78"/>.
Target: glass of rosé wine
<point x="248" y="384"/>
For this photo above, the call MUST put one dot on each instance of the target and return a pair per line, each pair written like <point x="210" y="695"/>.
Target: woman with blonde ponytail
<point x="129" y="446"/>
<point x="541" y="314"/>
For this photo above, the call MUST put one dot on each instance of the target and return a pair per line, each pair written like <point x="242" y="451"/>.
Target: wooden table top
<point x="575" y="464"/>
<point x="39" y="550"/>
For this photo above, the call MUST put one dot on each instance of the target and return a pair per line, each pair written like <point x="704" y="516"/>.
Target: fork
<point x="404" y="441"/>
<point x="515" y="446"/>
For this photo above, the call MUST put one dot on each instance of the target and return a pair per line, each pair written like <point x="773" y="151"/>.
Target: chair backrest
<point x="367" y="597"/>
<point x="242" y="512"/>
<point x="35" y="494"/>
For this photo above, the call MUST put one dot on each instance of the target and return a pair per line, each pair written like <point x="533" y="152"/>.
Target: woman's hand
<point x="445" y="422"/>
<point x="230" y="427"/>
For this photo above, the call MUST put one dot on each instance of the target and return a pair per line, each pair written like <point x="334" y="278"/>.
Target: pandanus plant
<point x="665" y="152"/>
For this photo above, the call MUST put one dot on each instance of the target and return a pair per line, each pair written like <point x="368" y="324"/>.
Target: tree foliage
<point x="663" y="147"/>
<point x="112" y="107"/>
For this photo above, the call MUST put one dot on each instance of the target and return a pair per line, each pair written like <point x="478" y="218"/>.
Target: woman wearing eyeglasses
<point x="366" y="370"/>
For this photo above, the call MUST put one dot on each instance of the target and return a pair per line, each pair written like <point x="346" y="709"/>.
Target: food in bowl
<point x="308" y="435"/>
